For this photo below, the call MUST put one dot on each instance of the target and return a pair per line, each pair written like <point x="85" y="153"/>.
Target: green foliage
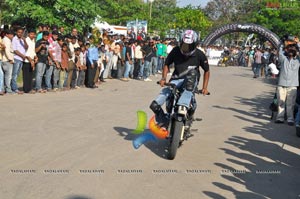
<point x="191" y="18"/>
<point x="280" y="21"/>
<point x="65" y="13"/>
<point x="121" y="11"/>
<point x="164" y="15"/>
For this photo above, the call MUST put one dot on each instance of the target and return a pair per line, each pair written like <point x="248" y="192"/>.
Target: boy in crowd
<point x="2" y="47"/>
<point x="57" y="59"/>
<point x="41" y="49"/>
<point x="7" y="60"/>
<point x="64" y="65"/>
<point x="29" y="62"/>
<point x="82" y="59"/>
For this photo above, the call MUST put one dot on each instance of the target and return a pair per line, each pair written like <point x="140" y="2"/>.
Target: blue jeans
<point x="266" y="70"/>
<point x="256" y="69"/>
<point x="146" y="69"/>
<point x="297" y="120"/>
<point x="7" y="69"/>
<point x="16" y="70"/>
<point x="153" y="66"/>
<point x="132" y="68"/>
<point x="185" y="98"/>
<point x="160" y="63"/>
<point x="1" y="77"/>
<point x="48" y="75"/>
<point x="40" y="70"/>
<point x="56" y="74"/>
<point x="141" y="72"/>
<point x="128" y="67"/>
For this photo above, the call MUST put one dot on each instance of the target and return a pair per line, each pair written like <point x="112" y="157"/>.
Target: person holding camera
<point x="288" y="83"/>
<point x="41" y="49"/>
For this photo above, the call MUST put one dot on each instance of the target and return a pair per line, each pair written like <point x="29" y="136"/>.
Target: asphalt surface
<point x="78" y="145"/>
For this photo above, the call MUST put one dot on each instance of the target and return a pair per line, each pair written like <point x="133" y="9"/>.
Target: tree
<point x="191" y="18"/>
<point x="280" y="21"/>
<point x="120" y="11"/>
<point x="163" y="15"/>
<point x="65" y="13"/>
<point x="229" y="11"/>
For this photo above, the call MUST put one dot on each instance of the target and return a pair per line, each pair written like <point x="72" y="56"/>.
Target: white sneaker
<point x="159" y="72"/>
<point x="147" y="80"/>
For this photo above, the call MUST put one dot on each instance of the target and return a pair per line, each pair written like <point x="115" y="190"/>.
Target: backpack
<point x="265" y="59"/>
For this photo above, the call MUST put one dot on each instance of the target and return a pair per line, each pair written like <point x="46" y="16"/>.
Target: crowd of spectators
<point x="281" y="63"/>
<point x="51" y="60"/>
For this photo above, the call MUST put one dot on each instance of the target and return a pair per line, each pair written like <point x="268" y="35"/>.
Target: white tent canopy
<point x="103" y="25"/>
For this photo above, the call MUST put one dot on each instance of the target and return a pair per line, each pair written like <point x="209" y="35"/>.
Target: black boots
<point x="160" y="117"/>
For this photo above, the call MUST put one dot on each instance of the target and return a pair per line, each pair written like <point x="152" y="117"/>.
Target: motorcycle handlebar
<point x="173" y="86"/>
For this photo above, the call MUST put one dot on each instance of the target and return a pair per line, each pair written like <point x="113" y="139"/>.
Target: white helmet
<point x="188" y="42"/>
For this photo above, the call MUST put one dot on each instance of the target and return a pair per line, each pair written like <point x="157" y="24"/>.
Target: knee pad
<point x="191" y="79"/>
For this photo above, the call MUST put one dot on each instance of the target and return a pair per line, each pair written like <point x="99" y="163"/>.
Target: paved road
<point x="78" y="145"/>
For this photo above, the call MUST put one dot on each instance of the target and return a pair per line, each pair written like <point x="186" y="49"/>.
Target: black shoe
<point x="291" y="123"/>
<point x="94" y="86"/>
<point x="279" y="122"/>
<point x="162" y="120"/>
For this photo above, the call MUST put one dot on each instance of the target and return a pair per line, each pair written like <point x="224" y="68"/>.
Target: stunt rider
<point x="186" y="58"/>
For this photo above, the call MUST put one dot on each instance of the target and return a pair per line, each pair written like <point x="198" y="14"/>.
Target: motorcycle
<point x="224" y="59"/>
<point x="180" y="120"/>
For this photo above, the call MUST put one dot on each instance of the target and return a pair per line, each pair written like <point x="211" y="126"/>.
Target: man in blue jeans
<point x="41" y="49"/>
<point x="1" y="72"/>
<point x="187" y="59"/>
<point x="128" y="61"/>
<point x="1" y="79"/>
<point x="19" y="46"/>
<point x="7" y="60"/>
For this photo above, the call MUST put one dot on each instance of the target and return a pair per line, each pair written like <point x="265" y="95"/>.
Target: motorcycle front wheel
<point x="177" y="130"/>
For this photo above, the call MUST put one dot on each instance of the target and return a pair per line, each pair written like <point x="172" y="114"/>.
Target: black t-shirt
<point x="128" y="50"/>
<point x="147" y="50"/>
<point x="43" y="53"/>
<point x="182" y="63"/>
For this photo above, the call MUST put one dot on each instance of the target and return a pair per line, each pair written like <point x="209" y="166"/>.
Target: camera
<point x="45" y="42"/>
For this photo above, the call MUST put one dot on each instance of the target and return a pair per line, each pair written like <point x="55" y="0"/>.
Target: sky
<point x="182" y="3"/>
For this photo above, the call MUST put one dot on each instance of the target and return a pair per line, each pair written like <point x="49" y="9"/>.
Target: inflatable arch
<point x="236" y="27"/>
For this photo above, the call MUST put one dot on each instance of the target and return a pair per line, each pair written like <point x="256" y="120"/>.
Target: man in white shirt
<point x="139" y="65"/>
<point x="19" y="46"/>
<point x="8" y="60"/>
<point x="1" y="72"/>
<point x="29" y="62"/>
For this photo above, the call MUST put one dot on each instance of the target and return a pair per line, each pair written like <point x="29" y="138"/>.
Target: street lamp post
<point x="150" y="14"/>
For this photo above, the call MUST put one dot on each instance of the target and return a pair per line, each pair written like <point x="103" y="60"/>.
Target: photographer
<point x="41" y="49"/>
<point x="288" y="82"/>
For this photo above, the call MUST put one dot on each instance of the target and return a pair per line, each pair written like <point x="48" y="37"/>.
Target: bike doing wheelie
<point x="180" y="120"/>
<point x="179" y="94"/>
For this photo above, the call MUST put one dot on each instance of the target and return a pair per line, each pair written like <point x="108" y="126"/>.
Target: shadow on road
<point x="78" y="197"/>
<point x="158" y="148"/>
<point x="268" y="80"/>
<point x="270" y="168"/>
